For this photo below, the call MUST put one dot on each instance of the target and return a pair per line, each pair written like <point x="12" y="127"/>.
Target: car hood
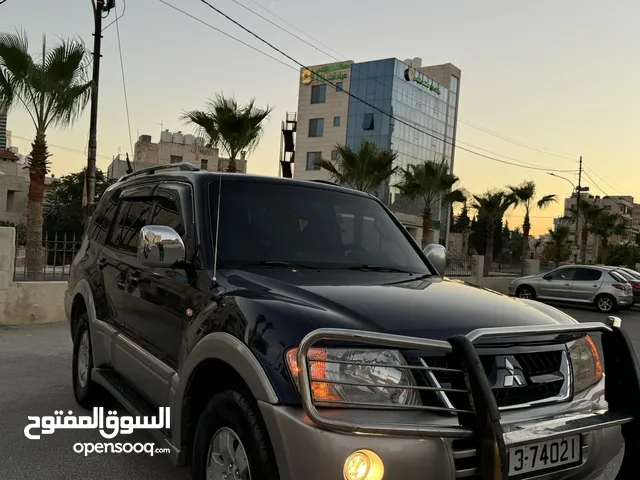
<point x="433" y="307"/>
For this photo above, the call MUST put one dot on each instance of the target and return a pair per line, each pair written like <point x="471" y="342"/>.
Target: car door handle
<point x="134" y="278"/>
<point x="102" y="263"/>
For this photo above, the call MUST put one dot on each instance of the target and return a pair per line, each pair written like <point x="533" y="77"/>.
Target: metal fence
<point x="49" y="263"/>
<point x="516" y="268"/>
<point x="459" y="266"/>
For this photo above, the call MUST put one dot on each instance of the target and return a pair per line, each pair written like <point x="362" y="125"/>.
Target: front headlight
<point x="585" y="363"/>
<point x="359" y="376"/>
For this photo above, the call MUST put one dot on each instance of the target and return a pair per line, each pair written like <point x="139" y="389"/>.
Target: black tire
<point x="526" y="292"/>
<point x="239" y="412"/>
<point x="606" y="299"/>
<point x="89" y="394"/>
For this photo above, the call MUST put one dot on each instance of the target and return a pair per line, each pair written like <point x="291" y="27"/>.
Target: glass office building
<point x="398" y="105"/>
<point x="421" y="119"/>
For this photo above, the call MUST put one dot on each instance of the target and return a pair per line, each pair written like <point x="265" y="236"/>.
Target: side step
<point x="138" y="406"/>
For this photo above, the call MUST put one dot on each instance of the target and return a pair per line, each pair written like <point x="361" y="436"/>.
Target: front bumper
<point x="304" y="451"/>
<point x="414" y="448"/>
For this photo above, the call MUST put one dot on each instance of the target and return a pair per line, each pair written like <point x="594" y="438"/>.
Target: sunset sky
<point x="557" y="76"/>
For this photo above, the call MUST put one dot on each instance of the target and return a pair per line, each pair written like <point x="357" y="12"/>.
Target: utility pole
<point x="90" y="175"/>
<point x="578" y="191"/>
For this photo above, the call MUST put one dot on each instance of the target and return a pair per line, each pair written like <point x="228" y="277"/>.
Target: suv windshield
<point x="265" y="222"/>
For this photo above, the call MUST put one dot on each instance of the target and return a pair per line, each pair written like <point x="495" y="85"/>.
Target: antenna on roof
<point x="215" y="252"/>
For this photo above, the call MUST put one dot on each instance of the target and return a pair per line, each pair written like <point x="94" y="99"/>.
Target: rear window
<point x="618" y="276"/>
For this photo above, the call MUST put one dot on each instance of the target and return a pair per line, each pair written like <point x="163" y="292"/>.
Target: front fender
<point x="227" y="348"/>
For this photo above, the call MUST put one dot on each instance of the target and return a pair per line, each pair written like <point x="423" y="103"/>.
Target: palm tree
<point x="54" y="90"/>
<point x="558" y="246"/>
<point x="589" y="213"/>
<point x="525" y="195"/>
<point x="492" y="206"/>
<point x="228" y="125"/>
<point x="431" y="183"/>
<point x="364" y="169"/>
<point x="607" y="225"/>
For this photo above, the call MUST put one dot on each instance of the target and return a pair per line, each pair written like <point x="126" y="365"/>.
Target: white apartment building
<point x="622" y="205"/>
<point x="174" y="148"/>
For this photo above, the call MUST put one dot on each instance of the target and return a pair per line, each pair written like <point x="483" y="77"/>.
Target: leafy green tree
<point x="588" y="215"/>
<point x="491" y="207"/>
<point x="463" y="223"/>
<point x="230" y="126"/>
<point x="63" y="212"/>
<point x="364" y="169"/>
<point x="607" y="225"/>
<point x="53" y="89"/>
<point x="624" y="254"/>
<point x="558" y="247"/>
<point x="525" y="196"/>
<point x="432" y="184"/>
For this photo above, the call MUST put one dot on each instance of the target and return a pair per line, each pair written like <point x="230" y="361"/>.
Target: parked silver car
<point x="605" y="288"/>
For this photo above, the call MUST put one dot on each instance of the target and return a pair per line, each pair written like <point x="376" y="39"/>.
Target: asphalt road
<point x="35" y="379"/>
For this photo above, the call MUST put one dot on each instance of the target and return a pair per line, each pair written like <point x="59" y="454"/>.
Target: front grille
<point x="541" y="372"/>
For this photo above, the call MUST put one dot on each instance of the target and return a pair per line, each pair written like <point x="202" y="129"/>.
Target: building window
<point x="367" y="122"/>
<point x="336" y="121"/>
<point x="316" y="127"/>
<point x="11" y="200"/>
<point x="313" y="159"/>
<point x="204" y="164"/>
<point x="319" y="94"/>
<point x="334" y="156"/>
<point x="339" y="87"/>
<point x="175" y="159"/>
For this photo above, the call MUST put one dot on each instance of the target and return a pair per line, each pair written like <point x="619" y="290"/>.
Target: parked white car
<point x="606" y="289"/>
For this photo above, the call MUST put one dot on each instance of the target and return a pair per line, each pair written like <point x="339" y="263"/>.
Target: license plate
<point x="551" y="454"/>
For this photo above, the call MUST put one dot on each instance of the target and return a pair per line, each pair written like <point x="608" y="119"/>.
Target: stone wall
<point x="26" y="302"/>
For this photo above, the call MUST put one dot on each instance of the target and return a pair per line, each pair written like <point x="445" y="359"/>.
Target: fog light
<point x="363" y="465"/>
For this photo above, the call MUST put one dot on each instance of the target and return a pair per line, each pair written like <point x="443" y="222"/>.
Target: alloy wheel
<point x="84" y="352"/>
<point x="227" y="458"/>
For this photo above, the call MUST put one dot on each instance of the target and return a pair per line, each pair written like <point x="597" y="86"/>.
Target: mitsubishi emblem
<point x="508" y="373"/>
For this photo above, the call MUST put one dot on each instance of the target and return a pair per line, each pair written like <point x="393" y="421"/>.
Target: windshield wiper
<point x="276" y="264"/>
<point x="375" y="268"/>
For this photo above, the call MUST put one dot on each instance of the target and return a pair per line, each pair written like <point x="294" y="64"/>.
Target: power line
<point x="518" y="142"/>
<point x="545" y="151"/>
<point x="124" y="10"/>
<point x="220" y="12"/>
<point x="58" y="146"/>
<point x="228" y="35"/>
<point x="124" y="83"/>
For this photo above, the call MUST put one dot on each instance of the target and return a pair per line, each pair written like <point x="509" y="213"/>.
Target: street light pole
<point x="577" y="191"/>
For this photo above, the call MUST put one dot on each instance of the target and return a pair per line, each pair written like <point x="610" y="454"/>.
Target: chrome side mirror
<point x="160" y="247"/>
<point x="437" y="256"/>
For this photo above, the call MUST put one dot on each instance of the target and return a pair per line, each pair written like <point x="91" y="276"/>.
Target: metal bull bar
<point x="479" y="419"/>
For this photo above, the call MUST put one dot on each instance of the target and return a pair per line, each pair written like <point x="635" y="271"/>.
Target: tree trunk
<point x="604" y="245"/>
<point x="526" y="228"/>
<point x="232" y="164"/>
<point x="426" y="225"/>
<point x="584" y="236"/>
<point x="35" y="252"/>
<point x="488" y="253"/>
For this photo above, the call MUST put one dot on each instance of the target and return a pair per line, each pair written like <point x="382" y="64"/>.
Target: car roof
<point x="201" y="178"/>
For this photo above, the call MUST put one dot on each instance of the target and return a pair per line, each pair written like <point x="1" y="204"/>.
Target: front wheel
<point x="606" y="303"/>
<point x="231" y="441"/>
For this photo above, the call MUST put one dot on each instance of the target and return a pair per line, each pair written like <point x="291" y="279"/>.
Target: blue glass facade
<point x="420" y="102"/>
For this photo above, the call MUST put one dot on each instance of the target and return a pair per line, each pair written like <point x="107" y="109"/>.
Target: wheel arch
<point x="216" y="362"/>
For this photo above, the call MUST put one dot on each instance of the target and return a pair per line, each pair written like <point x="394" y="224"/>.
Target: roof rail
<point x="183" y="167"/>
<point x="326" y="182"/>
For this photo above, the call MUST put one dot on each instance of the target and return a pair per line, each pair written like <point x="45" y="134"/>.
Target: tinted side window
<point x="563" y="274"/>
<point x="103" y="219"/>
<point x="587" y="275"/>
<point x="617" y="277"/>
<point x="166" y="213"/>
<point x="132" y="216"/>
